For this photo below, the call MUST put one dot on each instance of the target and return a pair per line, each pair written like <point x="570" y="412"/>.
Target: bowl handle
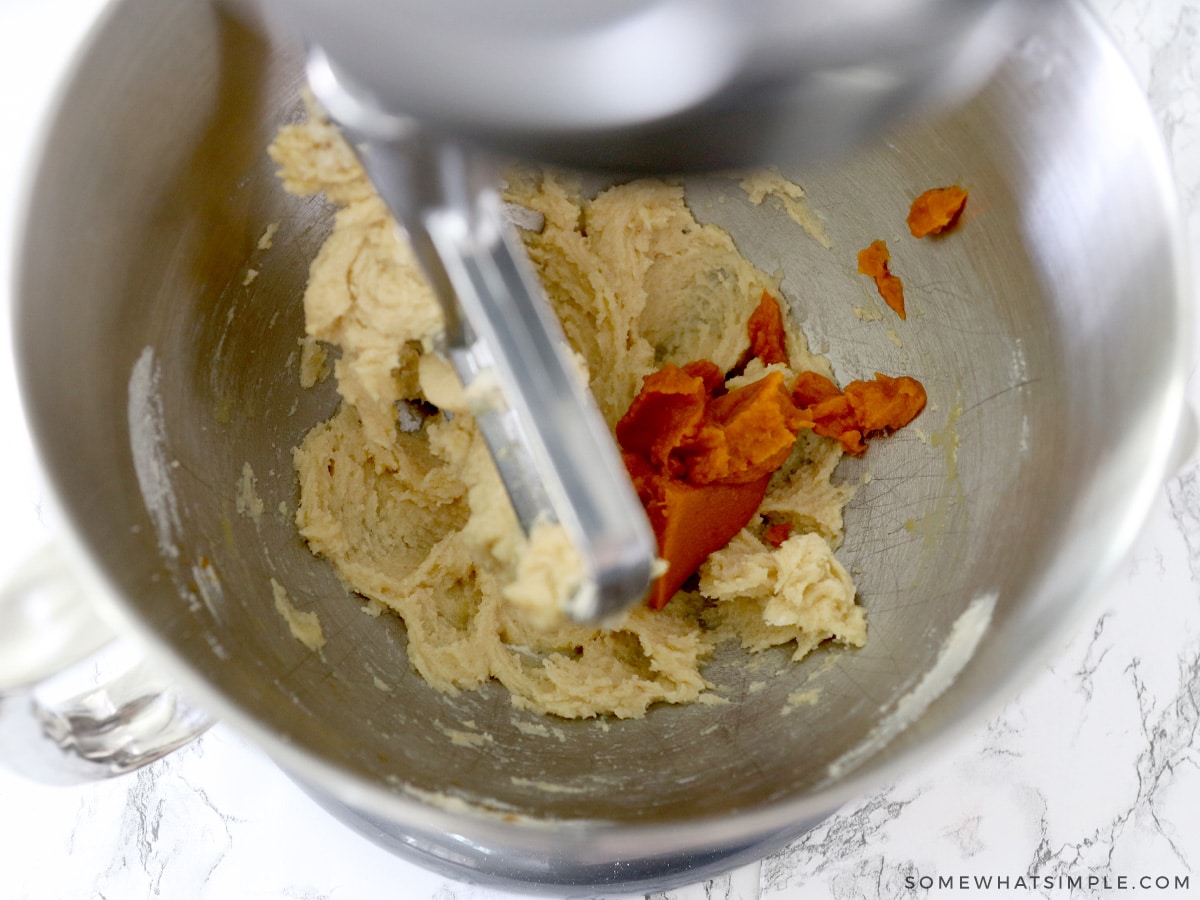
<point x="77" y="702"/>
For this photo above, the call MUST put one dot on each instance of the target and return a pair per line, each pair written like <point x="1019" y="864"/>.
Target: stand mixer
<point x="434" y="97"/>
<point x="1056" y="340"/>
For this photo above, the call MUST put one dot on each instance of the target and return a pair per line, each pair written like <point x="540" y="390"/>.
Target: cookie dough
<point x="406" y="503"/>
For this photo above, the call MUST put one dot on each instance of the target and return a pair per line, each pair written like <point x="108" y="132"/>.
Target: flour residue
<point x="807" y="697"/>
<point x="466" y="737"/>
<point x="459" y="806"/>
<point x="932" y="525"/>
<point x="268" y="236"/>
<point x="208" y="584"/>
<point x="809" y="693"/>
<point x="537" y="729"/>
<point x="248" y="502"/>
<point x="148" y="443"/>
<point x="956" y="652"/>
<point x="546" y="787"/>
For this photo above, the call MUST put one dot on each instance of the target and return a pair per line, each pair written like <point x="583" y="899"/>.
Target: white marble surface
<point x="1093" y="771"/>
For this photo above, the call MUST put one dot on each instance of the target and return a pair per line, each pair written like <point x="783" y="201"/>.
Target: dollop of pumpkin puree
<point x="875" y="261"/>
<point x="705" y="476"/>
<point x="701" y="458"/>
<point x="936" y="210"/>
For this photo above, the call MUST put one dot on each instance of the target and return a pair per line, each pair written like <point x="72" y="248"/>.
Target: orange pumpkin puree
<point x="768" y="337"/>
<point x="863" y="409"/>
<point x="776" y="534"/>
<point x="936" y="210"/>
<point x="700" y="460"/>
<point x="873" y="261"/>
<point x="700" y="457"/>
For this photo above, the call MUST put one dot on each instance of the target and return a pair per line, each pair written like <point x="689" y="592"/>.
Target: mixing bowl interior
<point x="1046" y="331"/>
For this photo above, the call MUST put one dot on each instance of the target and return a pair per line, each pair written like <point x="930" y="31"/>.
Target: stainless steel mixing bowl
<point x="1050" y="330"/>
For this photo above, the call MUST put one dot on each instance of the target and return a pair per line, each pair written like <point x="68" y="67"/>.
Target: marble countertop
<point x="1092" y="772"/>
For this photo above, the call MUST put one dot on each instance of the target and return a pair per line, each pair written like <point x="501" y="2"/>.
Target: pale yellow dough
<point x="416" y="519"/>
